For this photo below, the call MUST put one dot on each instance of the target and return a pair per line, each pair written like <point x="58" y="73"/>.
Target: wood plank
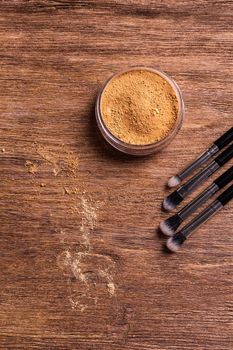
<point x="82" y="264"/>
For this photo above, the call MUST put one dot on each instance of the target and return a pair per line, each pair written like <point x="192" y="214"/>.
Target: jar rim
<point x="128" y="147"/>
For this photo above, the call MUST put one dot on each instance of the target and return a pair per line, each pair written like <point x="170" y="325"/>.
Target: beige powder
<point x="139" y="107"/>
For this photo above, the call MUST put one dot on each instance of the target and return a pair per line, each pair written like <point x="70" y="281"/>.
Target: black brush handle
<point x="226" y="196"/>
<point x="225" y="156"/>
<point x="217" y="145"/>
<point x="204" y="216"/>
<point x="225" y="178"/>
<point x="225" y="139"/>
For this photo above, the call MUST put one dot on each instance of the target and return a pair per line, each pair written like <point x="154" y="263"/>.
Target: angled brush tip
<point x="166" y="229"/>
<point x="167" y="205"/>
<point x="171" y="201"/>
<point x="169" y="226"/>
<point x="174" y="181"/>
<point x="172" y="245"/>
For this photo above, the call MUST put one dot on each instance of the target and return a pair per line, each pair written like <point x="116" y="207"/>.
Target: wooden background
<point x="82" y="264"/>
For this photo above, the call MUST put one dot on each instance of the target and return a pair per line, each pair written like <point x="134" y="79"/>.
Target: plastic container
<point x="140" y="150"/>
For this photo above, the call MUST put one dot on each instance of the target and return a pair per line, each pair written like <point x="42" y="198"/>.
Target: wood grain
<point x="82" y="265"/>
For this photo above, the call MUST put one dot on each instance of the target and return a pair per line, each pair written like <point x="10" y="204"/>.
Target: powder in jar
<point x="139" y="107"/>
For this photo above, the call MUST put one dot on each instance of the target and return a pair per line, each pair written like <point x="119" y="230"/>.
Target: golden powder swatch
<point x="139" y="107"/>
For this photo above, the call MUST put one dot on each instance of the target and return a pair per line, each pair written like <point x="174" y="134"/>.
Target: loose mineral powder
<point x="139" y="107"/>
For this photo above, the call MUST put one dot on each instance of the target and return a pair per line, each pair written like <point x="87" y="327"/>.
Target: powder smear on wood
<point x="61" y="162"/>
<point x="139" y="107"/>
<point x="32" y="167"/>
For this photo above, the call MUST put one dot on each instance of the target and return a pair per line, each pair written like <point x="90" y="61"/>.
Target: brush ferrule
<point x="197" y="202"/>
<point x="199" y="161"/>
<point x="201" y="218"/>
<point x="196" y="180"/>
<point x="179" y="238"/>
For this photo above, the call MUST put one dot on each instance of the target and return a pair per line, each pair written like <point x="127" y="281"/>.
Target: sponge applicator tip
<point x="174" y="181"/>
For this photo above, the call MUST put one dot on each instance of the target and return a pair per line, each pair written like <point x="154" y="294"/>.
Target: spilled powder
<point x="139" y="107"/>
<point x="72" y="162"/>
<point x="86" y="270"/>
<point x="31" y="167"/>
<point x="71" y="191"/>
<point x="92" y="272"/>
<point x="46" y="155"/>
<point x="67" y="161"/>
<point x="111" y="288"/>
<point x="89" y="217"/>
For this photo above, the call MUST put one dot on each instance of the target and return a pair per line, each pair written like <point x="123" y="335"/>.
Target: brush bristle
<point x="174" y="181"/>
<point x="165" y="228"/>
<point x="172" y="245"/>
<point x="172" y="201"/>
<point x="169" y="226"/>
<point x="167" y="205"/>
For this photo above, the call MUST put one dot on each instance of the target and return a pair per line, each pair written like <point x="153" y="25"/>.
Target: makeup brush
<point x="219" y="144"/>
<point x="175" y="242"/>
<point x="177" y="197"/>
<point x="169" y="226"/>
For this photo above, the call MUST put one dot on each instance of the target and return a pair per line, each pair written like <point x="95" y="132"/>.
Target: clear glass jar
<point x="140" y="150"/>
